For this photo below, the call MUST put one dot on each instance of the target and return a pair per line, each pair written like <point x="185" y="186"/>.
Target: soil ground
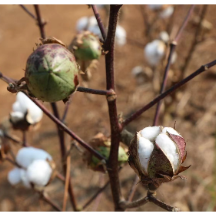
<point x="88" y="114"/>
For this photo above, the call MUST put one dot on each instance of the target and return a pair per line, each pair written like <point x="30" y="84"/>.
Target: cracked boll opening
<point x="51" y="73"/>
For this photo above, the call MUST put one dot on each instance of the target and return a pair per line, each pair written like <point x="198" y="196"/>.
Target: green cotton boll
<point x="105" y="151"/>
<point x="51" y="73"/>
<point x="86" y="46"/>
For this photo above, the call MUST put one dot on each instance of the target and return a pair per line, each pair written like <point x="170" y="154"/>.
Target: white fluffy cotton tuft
<point x="24" y="178"/>
<point x="27" y="155"/>
<point x="22" y="105"/>
<point x="120" y="37"/>
<point x="166" y="13"/>
<point x="14" y="176"/>
<point x="169" y="149"/>
<point x="171" y="131"/>
<point x="39" y="172"/>
<point x="145" y="148"/>
<point x="150" y="133"/>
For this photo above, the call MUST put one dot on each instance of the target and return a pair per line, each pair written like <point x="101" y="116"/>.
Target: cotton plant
<point x="36" y="168"/>
<point x="155" y="50"/>
<point x="163" y="11"/>
<point x="156" y="154"/>
<point x="24" y="112"/>
<point x="141" y="74"/>
<point x="90" y="24"/>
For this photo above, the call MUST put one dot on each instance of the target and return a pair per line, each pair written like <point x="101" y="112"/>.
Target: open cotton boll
<point x="16" y="116"/>
<point x="154" y="52"/>
<point x="170" y="130"/>
<point x="164" y="36"/>
<point x="14" y="176"/>
<point x="166" y="12"/>
<point x="120" y="36"/>
<point x="39" y="172"/>
<point x="24" y="178"/>
<point x="27" y="155"/>
<point x="85" y="22"/>
<point x="169" y="149"/>
<point x="155" y="6"/>
<point x="150" y="133"/>
<point x="35" y="114"/>
<point x="145" y="148"/>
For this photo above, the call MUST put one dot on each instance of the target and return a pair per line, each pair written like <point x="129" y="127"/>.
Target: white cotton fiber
<point x="150" y="133"/>
<point x="169" y="149"/>
<point x="120" y="36"/>
<point x="39" y="172"/>
<point x="24" y="178"/>
<point x="166" y="12"/>
<point x="14" y="176"/>
<point x="170" y="130"/>
<point x="145" y="148"/>
<point x="27" y="155"/>
<point x="16" y="116"/>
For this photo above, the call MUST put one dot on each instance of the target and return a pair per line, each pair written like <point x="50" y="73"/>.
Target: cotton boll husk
<point x="151" y="133"/>
<point x="137" y="70"/>
<point x="14" y="176"/>
<point x="145" y="148"/>
<point x="169" y="149"/>
<point x="24" y="178"/>
<point x="27" y="155"/>
<point x="39" y="172"/>
<point x="155" y="6"/>
<point x="166" y="12"/>
<point x="170" y="130"/>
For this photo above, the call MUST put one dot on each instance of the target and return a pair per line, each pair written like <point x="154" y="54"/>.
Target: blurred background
<point x="138" y="80"/>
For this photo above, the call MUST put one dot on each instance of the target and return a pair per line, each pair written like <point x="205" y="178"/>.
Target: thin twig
<point x="111" y="100"/>
<point x="66" y="109"/>
<point x="60" y="176"/>
<point x="100" y="24"/>
<point x="94" y="91"/>
<point x="49" y="201"/>
<point x="133" y="189"/>
<point x="134" y="204"/>
<point x="172" y="49"/>
<point x="67" y="180"/>
<point x="169" y="91"/>
<point x="24" y="139"/>
<point x="41" y="24"/>
<point x="28" y="12"/>
<point x="95" y="195"/>
<point x="162" y="204"/>
<point x="12" y="162"/>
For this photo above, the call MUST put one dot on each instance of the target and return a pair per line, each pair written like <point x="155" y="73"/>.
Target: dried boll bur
<point x="51" y="71"/>
<point x="25" y="113"/>
<point x="156" y="154"/>
<point x="102" y="144"/>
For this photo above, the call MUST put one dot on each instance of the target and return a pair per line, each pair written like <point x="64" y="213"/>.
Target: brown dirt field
<point x="88" y="114"/>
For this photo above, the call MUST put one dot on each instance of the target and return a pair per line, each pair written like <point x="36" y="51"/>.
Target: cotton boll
<point x="27" y="155"/>
<point x="14" y="176"/>
<point x="145" y="148"/>
<point x="154" y="52"/>
<point x="16" y="116"/>
<point x="169" y="149"/>
<point x="39" y="172"/>
<point x="150" y="133"/>
<point x="24" y="178"/>
<point x="166" y="12"/>
<point x="164" y="36"/>
<point x="120" y="36"/>
<point x="171" y="131"/>
<point x="155" y="6"/>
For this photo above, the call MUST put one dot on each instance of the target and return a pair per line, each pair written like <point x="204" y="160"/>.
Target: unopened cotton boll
<point x="154" y="52"/>
<point x="39" y="172"/>
<point x="27" y="155"/>
<point x="14" y="176"/>
<point x="156" y="154"/>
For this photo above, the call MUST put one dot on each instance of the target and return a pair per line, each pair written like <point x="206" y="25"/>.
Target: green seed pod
<point x="51" y="73"/>
<point x="86" y="46"/>
<point x="102" y="144"/>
